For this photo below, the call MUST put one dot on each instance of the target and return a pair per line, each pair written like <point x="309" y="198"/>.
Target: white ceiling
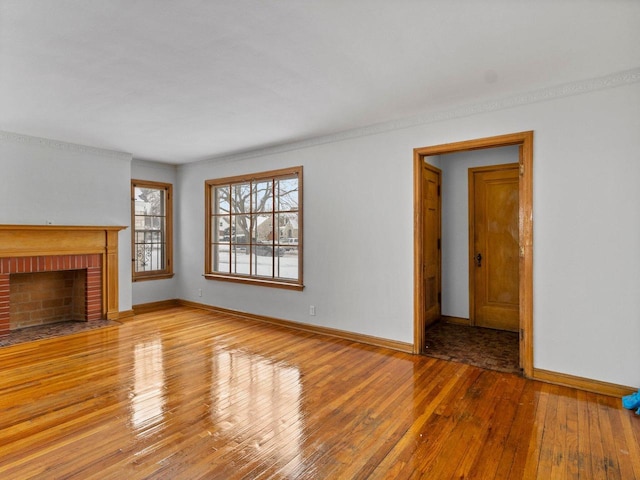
<point x="180" y="81"/>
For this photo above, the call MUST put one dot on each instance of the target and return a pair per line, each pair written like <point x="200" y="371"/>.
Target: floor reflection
<point x="254" y="397"/>
<point x="147" y="402"/>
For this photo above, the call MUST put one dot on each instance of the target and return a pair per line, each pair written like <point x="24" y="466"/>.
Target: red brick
<point x="93" y="302"/>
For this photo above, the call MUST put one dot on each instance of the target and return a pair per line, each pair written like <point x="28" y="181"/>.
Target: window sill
<point x="255" y="281"/>
<point x="155" y="276"/>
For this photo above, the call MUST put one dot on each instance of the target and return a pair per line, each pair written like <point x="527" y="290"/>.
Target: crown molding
<point x="618" y="79"/>
<point x="11" y="137"/>
<point x="153" y="164"/>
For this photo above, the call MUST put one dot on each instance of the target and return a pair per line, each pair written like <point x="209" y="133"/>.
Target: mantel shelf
<point x="62" y="227"/>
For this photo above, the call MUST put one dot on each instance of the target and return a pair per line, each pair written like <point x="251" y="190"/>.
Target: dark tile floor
<point x="482" y="347"/>
<point x="42" y="332"/>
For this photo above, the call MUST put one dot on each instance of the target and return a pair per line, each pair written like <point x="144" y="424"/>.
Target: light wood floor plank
<point x="186" y="394"/>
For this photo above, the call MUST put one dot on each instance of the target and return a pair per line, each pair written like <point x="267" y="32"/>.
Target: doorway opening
<point x="426" y="235"/>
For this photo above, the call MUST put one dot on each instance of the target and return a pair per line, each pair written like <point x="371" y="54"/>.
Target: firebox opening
<point x="43" y="298"/>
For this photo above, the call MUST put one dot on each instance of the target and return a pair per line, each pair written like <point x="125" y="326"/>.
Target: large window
<point x="151" y="213"/>
<point x="254" y="228"/>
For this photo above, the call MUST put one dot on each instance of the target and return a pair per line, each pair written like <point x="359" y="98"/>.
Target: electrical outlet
<point x="312" y="310"/>
<point x="199" y="292"/>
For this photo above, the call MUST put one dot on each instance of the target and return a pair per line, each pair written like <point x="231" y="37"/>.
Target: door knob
<point x="478" y="259"/>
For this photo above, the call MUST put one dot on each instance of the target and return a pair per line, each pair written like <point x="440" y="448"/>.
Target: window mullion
<point x="274" y="226"/>
<point x="232" y="267"/>
<point x="251" y="227"/>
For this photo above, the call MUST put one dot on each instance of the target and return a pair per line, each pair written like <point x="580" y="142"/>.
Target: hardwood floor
<point x="187" y="394"/>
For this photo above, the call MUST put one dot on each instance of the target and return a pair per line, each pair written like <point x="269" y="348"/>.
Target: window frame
<point x="253" y="278"/>
<point x="167" y="272"/>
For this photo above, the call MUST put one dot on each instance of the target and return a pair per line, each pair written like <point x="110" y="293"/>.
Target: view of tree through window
<point x="151" y="211"/>
<point x="254" y="227"/>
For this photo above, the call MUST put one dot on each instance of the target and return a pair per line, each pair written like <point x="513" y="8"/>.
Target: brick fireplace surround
<point x="36" y="249"/>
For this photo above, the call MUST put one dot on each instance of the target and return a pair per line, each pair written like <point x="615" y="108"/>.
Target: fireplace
<point x="51" y="272"/>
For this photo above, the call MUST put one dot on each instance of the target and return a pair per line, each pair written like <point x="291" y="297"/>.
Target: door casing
<point x="525" y="231"/>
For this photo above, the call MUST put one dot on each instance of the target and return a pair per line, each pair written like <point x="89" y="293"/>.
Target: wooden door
<point x="431" y="244"/>
<point x="494" y="247"/>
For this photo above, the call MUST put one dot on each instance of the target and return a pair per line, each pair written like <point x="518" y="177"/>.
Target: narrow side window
<point x="152" y="230"/>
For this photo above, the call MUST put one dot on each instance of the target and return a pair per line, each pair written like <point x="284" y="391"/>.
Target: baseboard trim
<point x="125" y="315"/>
<point x="332" y="332"/>
<point x="581" y="383"/>
<point x="155" y="306"/>
<point x="456" y="320"/>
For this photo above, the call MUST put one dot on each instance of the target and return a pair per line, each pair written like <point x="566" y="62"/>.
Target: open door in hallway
<point x="494" y="247"/>
<point x="432" y="260"/>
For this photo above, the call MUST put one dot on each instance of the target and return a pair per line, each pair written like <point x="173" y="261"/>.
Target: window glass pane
<point x="288" y="263"/>
<point x="263" y="231"/>
<point x="240" y="260"/>
<point x="149" y="252"/>
<point x="220" y="229"/>
<point x="240" y="228"/>
<point x="221" y="200"/>
<point x="142" y="257"/>
<point x="220" y="258"/>
<point x="288" y="228"/>
<point x="263" y="196"/>
<point x="263" y="260"/>
<point x="241" y="198"/>
<point x="149" y="201"/>
<point x="287" y="194"/>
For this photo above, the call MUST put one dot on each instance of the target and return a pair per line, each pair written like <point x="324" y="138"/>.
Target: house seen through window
<point x="254" y="228"/>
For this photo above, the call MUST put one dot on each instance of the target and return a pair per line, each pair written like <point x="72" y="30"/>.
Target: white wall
<point x="351" y="244"/>
<point x="148" y="291"/>
<point x="48" y="181"/>
<point x="455" y="222"/>
<point x="359" y="230"/>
